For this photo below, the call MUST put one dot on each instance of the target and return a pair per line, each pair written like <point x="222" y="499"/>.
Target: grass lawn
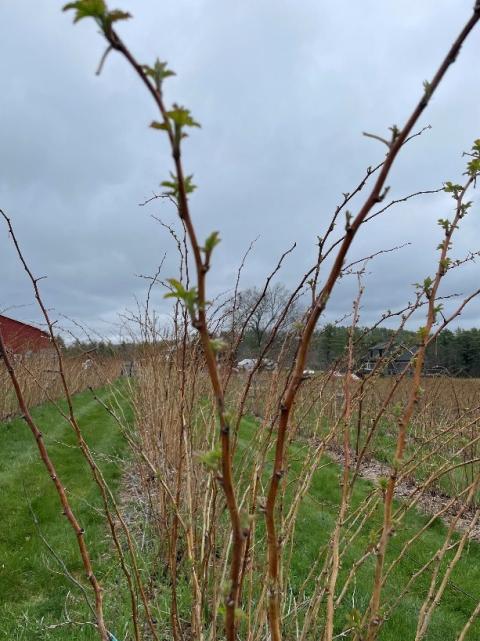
<point x="33" y="588"/>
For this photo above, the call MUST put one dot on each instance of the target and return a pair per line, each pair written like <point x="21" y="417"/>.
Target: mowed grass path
<point x="33" y="587"/>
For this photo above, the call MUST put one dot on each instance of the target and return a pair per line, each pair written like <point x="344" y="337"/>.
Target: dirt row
<point x="430" y="502"/>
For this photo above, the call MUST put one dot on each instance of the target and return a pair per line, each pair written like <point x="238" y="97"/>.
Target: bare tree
<point x="261" y="313"/>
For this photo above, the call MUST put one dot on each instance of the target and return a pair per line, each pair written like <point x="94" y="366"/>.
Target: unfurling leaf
<point x="159" y="125"/>
<point x="188" y="184"/>
<point x="210" y="459"/>
<point x="397" y="410"/>
<point x="473" y="167"/>
<point x="178" y="289"/>
<point x="444" y="223"/>
<point x="423" y="333"/>
<point x="116" y="15"/>
<point x="451" y="188"/>
<point x="383" y="482"/>
<point x="427" y="284"/>
<point x="188" y="296"/>
<point x="212" y="241"/>
<point x="158" y="73"/>
<point x="445" y="263"/>
<point x="218" y="344"/>
<point x="182" y="117"/>
<point x="427" y="87"/>
<point x="172" y="185"/>
<point x="395" y="132"/>
<point x="348" y="219"/>
<point x="96" y="9"/>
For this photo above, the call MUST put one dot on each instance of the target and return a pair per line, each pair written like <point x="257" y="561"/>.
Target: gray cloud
<point x="283" y="91"/>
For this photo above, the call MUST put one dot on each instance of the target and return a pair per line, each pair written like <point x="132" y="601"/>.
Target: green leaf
<point x="473" y="167"/>
<point x="159" y="125"/>
<point x="427" y="284"/>
<point x="464" y="207"/>
<point x="178" y="290"/>
<point x="451" y="188"/>
<point x="436" y="310"/>
<point x="189" y="296"/>
<point x="188" y="184"/>
<point x="397" y="409"/>
<point x="210" y="459"/>
<point x="96" y="9"/>
<point x="116" y="15"/>
<point x="182" y="117"/>
<point x="423" y="333"/>
<point x="172" y="185"/>
<point x="218" y="344"/>
<point x="158" y="73"/>
<point x="383" y="482"/>
<point x="395" y="131"/>
<point x="212" y="241"/>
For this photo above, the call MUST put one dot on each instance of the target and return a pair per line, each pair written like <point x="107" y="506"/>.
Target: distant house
<point x="396" y="358"/>
<point x="23" y="339"/>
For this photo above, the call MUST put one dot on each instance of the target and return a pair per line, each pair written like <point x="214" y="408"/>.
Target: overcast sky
<point x="283" y="90"/>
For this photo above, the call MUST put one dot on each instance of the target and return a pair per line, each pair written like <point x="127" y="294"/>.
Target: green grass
<point x="315" y="522"/>
<point x="33" y="588"/>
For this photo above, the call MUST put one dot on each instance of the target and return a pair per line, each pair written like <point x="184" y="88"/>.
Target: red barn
<point x="21" y="338"/>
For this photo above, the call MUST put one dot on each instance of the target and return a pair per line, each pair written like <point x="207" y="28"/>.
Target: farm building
<point x="397" y="358"/>
<point x="23" y="339"/>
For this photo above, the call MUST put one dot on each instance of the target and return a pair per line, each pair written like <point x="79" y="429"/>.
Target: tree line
<point x="454" y="352"/>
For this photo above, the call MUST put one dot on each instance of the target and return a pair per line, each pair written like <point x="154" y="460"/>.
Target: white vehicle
<point x="247" y="364"/>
